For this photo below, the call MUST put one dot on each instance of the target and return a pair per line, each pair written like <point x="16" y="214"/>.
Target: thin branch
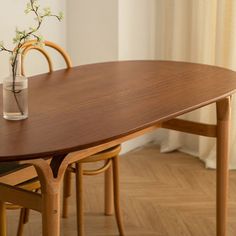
<point x="2" y="49"/>
<point x="23" y="36"/>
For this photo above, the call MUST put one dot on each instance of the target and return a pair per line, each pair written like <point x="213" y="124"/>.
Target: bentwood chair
<point x="21" y="176"/>
<point x="110" y="157"/>
<point x="112" y="191"/>
<point x="17" y="175"/>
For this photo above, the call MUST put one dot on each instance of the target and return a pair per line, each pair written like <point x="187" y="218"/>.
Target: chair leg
<point x="3" y="221"/>
<point x="108" y="196"/>
<point x="79" y="198"/>
<point x="24" y="218"/>
<point x="66" y="193"/>
<point x="116" y="182"/>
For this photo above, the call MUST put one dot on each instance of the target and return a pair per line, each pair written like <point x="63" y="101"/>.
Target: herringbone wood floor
<point x="162" y="195"/>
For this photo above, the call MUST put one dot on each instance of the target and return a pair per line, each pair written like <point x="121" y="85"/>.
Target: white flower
<point x="17" y="37"/>
<point x="22" y="36"/>
<point x="47" y="11"/>
<point x="28" y="8"/>
<point x="40" y="41"/>
<point x="35" y="4"/>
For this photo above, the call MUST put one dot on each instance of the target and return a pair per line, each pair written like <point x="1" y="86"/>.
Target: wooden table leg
<point x="51" y="210"/>
<point x="51" y="178"/>
<point x="223" y="119"/>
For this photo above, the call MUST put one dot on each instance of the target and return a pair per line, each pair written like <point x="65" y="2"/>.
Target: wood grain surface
<point x="68" y="108"/>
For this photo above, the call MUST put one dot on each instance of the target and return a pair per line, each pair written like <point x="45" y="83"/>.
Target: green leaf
<point x="1" y="44"/>
<point x="61" y="15"/>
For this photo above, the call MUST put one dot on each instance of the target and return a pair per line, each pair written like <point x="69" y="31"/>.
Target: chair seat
<point x="9" y="167"/>
<point x="13" y="173"/>
<point x="104" y="155"/>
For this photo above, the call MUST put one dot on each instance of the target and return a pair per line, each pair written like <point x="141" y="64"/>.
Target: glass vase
<point x="15" y="93"/>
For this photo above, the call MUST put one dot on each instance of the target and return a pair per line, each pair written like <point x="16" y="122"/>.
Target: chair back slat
<point x="32" y="45"/>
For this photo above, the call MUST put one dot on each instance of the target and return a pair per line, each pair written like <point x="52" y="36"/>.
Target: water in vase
<point x="15" y="98"/>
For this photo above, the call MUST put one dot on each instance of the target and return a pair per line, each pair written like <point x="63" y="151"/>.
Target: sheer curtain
<point x="203" y="32"/>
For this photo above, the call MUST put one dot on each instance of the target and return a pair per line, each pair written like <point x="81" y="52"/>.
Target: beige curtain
<point x="202" y="31"/>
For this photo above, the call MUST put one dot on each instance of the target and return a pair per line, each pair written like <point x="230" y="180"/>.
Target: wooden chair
<point x="20" y="176"/>
<point x="112" y="191"/>
<point x="110" y="157"/>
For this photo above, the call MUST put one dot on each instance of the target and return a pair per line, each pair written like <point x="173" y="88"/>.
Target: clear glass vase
<point x="15" y="93"/>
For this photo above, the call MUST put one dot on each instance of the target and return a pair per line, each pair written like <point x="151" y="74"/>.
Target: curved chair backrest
<point x="32" y="45"/>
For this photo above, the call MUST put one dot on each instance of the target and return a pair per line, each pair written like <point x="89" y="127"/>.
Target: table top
<point x="89" y="105"/>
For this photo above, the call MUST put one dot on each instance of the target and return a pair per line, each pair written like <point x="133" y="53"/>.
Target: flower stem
<point x="17" y="102"/>
<point x="14" y="70"/>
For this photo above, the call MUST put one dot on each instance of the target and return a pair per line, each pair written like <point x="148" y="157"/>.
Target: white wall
<point x="92" y="30"/>
<point x="12" y="15"/>
<point x="137" y="29"/>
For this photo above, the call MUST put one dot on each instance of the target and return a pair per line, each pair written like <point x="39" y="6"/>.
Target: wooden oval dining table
<point x="77" y="112"/>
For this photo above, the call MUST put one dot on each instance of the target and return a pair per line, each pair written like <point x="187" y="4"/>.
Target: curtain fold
<point x="202" y="32"/>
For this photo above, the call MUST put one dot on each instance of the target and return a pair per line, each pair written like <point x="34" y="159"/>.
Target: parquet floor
<point x="162" y="195"/>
